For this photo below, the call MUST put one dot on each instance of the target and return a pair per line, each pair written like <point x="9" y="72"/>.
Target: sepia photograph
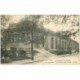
<point x="40" y="39"/>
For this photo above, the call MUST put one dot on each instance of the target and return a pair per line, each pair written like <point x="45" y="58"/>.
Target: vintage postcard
<point x="40" y="39"/>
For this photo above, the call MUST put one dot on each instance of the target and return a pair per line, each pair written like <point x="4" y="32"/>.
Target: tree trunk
<point x="32" y="47"/>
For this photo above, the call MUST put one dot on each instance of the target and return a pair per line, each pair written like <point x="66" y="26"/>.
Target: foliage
<point x="4" y="20"/>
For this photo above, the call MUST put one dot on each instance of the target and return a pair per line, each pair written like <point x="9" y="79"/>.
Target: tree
<point x="4" y="20"/>
<point x="30" y="27"/>
<point x="68" y="20"/>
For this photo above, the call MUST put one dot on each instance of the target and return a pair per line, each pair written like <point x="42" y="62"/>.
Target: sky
<point x="16" y="18"/>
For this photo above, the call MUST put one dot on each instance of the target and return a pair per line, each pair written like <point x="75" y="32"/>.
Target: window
<point x="52" y="43"/>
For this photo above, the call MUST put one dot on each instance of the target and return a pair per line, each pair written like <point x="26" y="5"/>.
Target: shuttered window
<point x="51" y="42"/>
